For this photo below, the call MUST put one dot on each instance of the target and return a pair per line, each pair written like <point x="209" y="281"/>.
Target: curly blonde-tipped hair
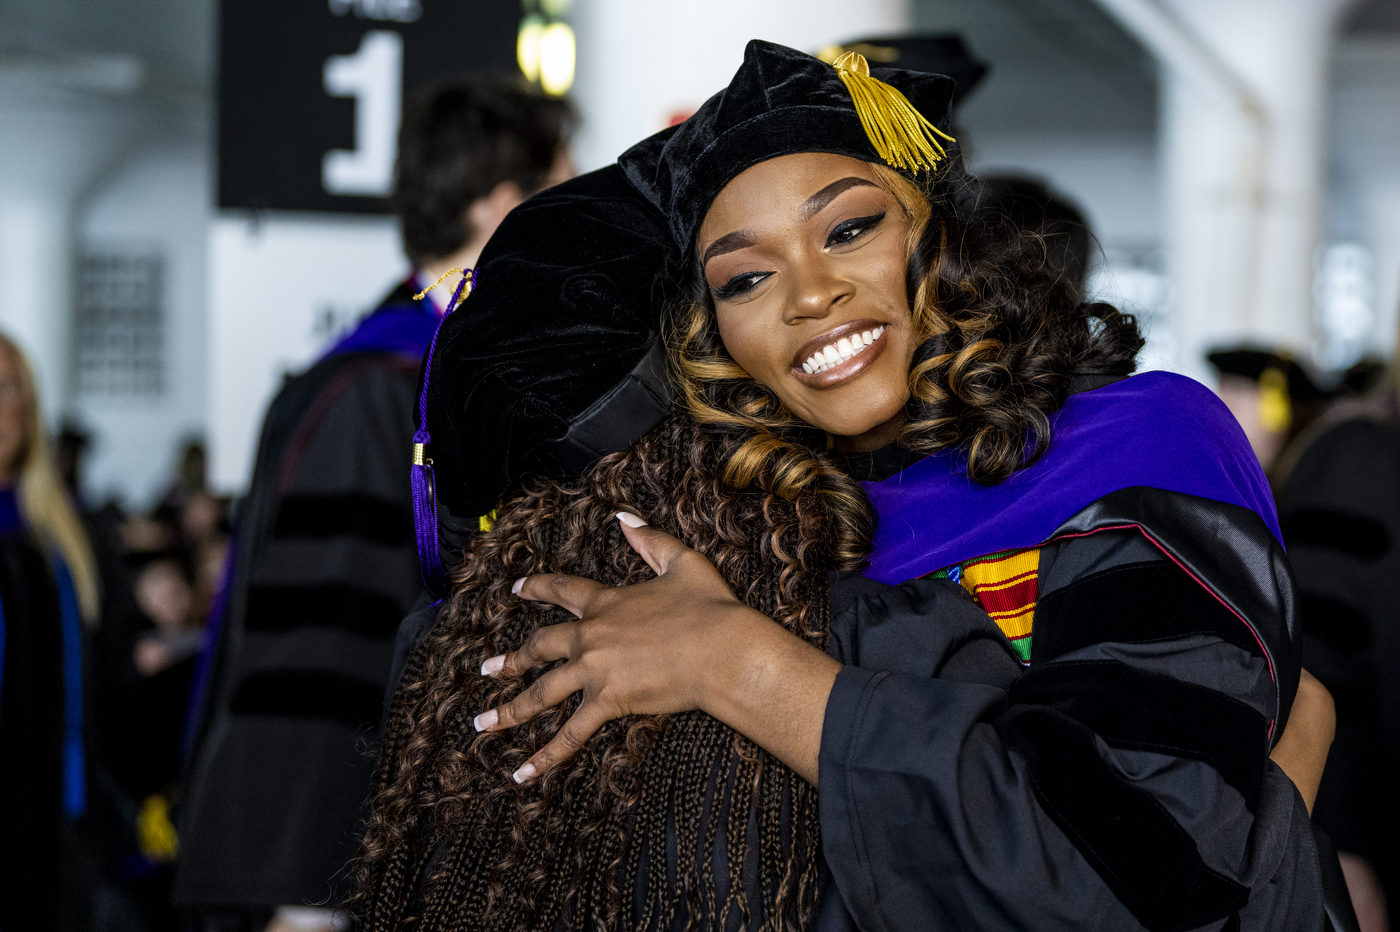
<point x="1001" y="332"/>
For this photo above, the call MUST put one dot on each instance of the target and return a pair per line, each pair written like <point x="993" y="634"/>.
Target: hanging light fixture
<point x="527" y="47"/>
<point x="557" y="54"/>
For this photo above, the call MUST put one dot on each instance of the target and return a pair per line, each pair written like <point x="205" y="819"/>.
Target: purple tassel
<point x="425" y="515"/>
<point x="425" y="524"/>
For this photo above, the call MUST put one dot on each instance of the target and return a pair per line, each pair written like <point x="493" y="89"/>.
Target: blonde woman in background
<point x="48" y="593"/>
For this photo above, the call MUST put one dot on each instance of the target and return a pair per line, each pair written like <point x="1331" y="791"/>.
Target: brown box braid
<point x="657" y="817"/>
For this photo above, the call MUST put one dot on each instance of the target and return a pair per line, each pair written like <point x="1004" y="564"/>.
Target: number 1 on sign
<point x="374" y="77"/>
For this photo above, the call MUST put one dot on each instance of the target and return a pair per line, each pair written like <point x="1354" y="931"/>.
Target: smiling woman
<point x="1061" y="692"/>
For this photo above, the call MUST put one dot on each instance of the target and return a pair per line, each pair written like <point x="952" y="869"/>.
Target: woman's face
<point x="805" y="257"/>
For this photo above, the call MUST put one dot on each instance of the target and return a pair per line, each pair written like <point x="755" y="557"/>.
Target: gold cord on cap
<point x="900" y="134"/>
<point x="468" y="275"/>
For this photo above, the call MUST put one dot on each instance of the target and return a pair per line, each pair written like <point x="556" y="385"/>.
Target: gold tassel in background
<point x="1275" y="410"/>
<point x="901" y="135"/>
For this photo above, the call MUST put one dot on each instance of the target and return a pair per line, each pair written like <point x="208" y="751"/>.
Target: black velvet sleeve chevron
<point x="1121" y="782"/>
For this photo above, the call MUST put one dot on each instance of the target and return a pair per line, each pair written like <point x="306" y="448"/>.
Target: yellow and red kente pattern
<point x="1006" y="585"/>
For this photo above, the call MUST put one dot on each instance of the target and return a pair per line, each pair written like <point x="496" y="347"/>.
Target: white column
<point x="640" y="61"/>
<point x="1282" y="49"/>
<point x="1242" y="146"/>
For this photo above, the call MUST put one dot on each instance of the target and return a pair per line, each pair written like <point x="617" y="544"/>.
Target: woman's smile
<point x="805" y="257"/>
<point x="840" y="354"/>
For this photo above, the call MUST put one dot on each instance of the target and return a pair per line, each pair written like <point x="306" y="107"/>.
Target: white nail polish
<point x="525" y="772"/>
<point x="493" y="665"/>
<point x="515" y="588"/>
<point x="486" y="720"/>
<point x="629" y="519"/>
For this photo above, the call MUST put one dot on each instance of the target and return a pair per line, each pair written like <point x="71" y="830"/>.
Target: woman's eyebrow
<point x="729" y="242"/>
<point x="814" y="204"/>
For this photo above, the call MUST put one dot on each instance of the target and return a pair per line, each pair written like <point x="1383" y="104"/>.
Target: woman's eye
<point x="739" y="284"/>
<point x="848" y="231"/>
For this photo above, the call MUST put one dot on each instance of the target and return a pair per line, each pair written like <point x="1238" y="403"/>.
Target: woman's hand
<point x="672" y="644"/>
<point x="1302" y="749"/>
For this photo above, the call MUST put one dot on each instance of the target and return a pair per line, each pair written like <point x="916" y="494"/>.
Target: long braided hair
<point x="657" y="817"/>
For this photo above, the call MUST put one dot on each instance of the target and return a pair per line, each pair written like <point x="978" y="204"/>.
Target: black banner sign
<point x="310" y="91"/>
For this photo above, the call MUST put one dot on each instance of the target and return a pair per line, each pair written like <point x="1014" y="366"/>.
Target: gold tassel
<point x="468" y="274"/>
<point x="900" y="134"/>
<point x="1275" y="410"/>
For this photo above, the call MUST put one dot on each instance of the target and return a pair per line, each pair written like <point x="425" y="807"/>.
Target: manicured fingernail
<point x="525" y="772"/>
<point x="629" y="519"/>
<point x="486" y="720"/>
<point x="492" y="665"/>
<point x="515" y="587"/>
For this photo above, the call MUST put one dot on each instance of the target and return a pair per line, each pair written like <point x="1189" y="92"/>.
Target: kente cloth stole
<point x="1006" y="586"/>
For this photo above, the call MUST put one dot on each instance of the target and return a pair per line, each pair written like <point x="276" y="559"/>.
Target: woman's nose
<point x="817" y="294"/>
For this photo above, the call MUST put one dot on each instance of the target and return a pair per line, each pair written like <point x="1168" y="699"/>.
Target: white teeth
<point x="840" y="351"/>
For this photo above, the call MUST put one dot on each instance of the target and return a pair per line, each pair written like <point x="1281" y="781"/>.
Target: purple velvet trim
<point x="1157" y="429"/>
<point x="401" y="328"/>
<point x="425" y="525"/>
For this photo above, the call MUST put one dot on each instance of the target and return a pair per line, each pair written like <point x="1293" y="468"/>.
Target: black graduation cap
<point x="1283" y="384"/>
<point x="931" y="53"/>
<point x="780" y="102"/>
<point x="555" y="359"/>
<point x="1258" y="364"/>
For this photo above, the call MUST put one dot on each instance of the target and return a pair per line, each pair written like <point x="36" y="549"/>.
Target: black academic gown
<point x="324" y="567"/>
<point x="1120" y="781"/>
<point x="43" y="883"/>
<point x="1340" y="512"/>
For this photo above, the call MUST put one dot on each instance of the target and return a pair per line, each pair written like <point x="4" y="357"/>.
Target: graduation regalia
<point x="43" y="772"/>
<point x="1121" y="779"/>
<point x="1060" y="692"/>
<point x="323" y="570"/>
<point x="1339" y="506"/>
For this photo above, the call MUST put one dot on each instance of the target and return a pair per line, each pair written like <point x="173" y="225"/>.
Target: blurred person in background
<point x="48" y="597"/>
<point x="171" y="566"/>
<point x="1338" y="490"/>
<point x="1272" y="396"/>
<point x="324" y="565"/>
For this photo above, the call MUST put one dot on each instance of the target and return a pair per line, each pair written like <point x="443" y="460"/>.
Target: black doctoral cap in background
<point x="1258" y="364"/>
<point x="931" y="53"/>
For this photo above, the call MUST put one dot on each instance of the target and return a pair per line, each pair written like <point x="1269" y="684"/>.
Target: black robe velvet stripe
<point x="325" y="568"/>
<point x="1122" y="782"/>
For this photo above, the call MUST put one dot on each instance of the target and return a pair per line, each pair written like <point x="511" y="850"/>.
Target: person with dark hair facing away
<point x="323" y="564"/>
<point x="1053" y="686"/>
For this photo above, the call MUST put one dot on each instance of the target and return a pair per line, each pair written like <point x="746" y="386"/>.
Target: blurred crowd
<point x="117" y="605"/>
